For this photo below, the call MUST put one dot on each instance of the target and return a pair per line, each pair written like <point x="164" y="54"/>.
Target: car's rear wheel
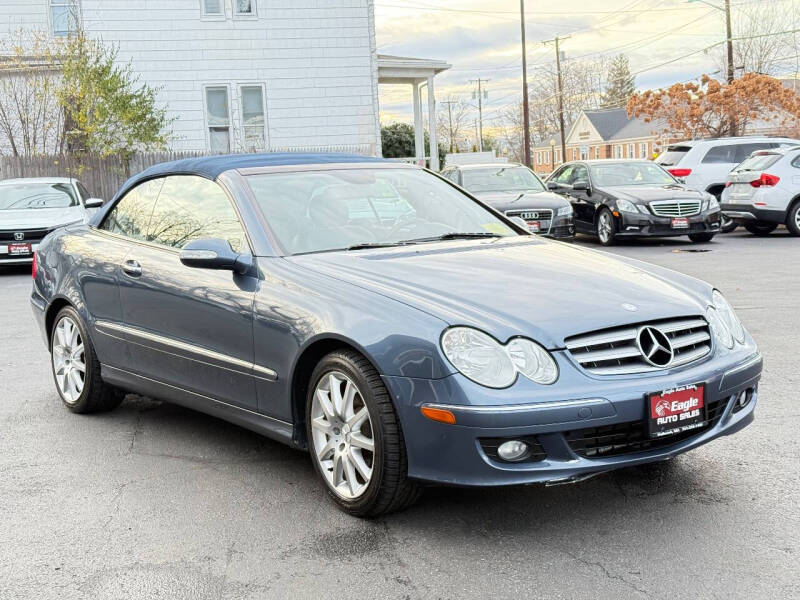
<point x="355" y="438"/>
<point x="701" y="238"/>
<point x="760" y="228"/>
<point x="793" y="219"/>
<point x="76" y="370"/>
<point x="606" y="228"/>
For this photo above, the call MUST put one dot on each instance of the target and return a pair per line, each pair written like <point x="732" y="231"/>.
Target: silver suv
<point x="764" y="191"/>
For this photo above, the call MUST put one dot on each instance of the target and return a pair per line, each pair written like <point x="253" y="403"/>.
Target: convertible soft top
<point x="212" y="167"/>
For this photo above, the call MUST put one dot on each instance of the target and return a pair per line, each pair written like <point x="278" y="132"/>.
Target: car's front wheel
<point x="606" y="227"/>
<point x="76" y="370"/>
<point x="760" y="228"/>
<point x="793" y="219"/>
<point x="355" y="438"/>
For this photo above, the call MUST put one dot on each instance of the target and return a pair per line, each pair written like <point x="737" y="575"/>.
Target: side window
<point x="796" y="162"/>
<point x="565" y="174"/>
<point x="720" y="154"/>
<point x="744" y="150"/>
<point x="83" y="191"/>
<point x="131" y="215"/>
<point x="189" y="208"/>
<point x="579" y="173"/>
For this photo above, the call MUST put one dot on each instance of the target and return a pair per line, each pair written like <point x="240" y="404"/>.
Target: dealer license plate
<point x="19" y="248"/>
<point x="680" y="223"/>
<point x="534" y="226"/>
<point x="676" y="410"/>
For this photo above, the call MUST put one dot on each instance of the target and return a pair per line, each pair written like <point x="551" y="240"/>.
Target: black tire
<point x="728" y="225"/>
<point x="760" y="228"/>
<point x="96" y="395"/>
<point x="793" y="219"/>
<point x="608" y="238"/>
<point x="389" y="488"/>
<point x="701" y="238"/>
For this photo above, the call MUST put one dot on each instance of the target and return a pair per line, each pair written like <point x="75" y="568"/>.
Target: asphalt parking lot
<point x="153" y="500"/>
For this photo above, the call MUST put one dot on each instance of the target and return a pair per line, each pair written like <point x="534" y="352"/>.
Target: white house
<point x="240" y="74"/>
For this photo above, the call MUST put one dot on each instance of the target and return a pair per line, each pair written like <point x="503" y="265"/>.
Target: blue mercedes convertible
<point x="398" y="329"/>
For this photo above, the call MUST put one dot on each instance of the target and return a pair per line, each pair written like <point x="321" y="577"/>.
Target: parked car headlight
<point x="728" y="316"/>
<point x="719" y="328"/>
<point x="626" y="206"/>
<point x="710" y="202"/>
<point x="564" y="211"/>
<point x="484" y="360"/>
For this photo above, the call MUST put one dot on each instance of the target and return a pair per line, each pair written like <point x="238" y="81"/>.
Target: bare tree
<point x="759" y="42"/>
<point x="31" y="121"/>
<point x="453" y="122"/>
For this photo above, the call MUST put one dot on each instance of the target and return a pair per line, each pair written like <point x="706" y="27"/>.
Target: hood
<point x="541" y="289"/>
<point x="649" y="193"/>
<point x="521" y="200"/>
<point x="40" y="218"/>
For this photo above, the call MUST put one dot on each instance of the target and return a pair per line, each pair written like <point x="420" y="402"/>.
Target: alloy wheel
<point x="69" y="362"/>
<point x="797" y="218"/>
<point x="343" y="441"/>
<point x="604" y="227"/>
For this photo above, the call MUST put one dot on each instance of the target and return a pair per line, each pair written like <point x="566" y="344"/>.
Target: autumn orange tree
<point x="717" y="109"/>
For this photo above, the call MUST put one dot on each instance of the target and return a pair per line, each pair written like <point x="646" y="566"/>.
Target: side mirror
<point x="214" y="253"/>
<point x="93" y="202"/>
<point x="580" y="186"/>
<point x="552" y="185"/>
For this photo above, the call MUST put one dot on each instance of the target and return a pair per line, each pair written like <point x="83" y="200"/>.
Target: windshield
<point x="758" y="162"/>
<point x="501" y="179"/>
<point x="21" y="196"/>
<point x="635" y="173"/>
<point x="672" y="156"/>
<point x="341" y="209"/>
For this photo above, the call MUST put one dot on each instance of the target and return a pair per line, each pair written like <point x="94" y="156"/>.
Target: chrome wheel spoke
<point x="350" y="391"/>
<point x="350" y="473"/>
<point x="358" y="419"/>
<point x="360" y="441"/>
<point x="360" y="464"/>
<point x="68" y="360"/>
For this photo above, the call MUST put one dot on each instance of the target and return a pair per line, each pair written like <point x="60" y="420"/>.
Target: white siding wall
<point x="316" y="59"/>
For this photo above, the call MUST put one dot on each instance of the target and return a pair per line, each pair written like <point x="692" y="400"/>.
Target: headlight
<point x="718" y="328"/>
<point x="484" y="360"/>
<point x="728" y="316"/>
<point x="643" y="209"/>
<point x="626" y="206"/>
<point x="710" y="202"/>
<point x="564" y="211"/>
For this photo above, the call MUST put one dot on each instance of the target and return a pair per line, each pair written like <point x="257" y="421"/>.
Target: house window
<point x="212" y="7"/>
<point x="617" y="151"/>
<point x="244" y="7"/>
<point x="253" y="124"/>
<point x="218" y="118"/>
<point x="631" y="149"/>
<point x="64" y="17"/>
<point x="596" y="152"/>
<point x="643" y="150"/>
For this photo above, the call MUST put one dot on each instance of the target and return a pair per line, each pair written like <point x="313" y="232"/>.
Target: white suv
<point x="764" y="191"/>
<point x="705" y="164"/>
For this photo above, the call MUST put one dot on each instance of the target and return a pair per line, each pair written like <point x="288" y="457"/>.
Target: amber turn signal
<point x="439" y="414"/>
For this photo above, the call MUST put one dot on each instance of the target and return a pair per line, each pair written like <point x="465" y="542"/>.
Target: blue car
<point x="379" y="317"/>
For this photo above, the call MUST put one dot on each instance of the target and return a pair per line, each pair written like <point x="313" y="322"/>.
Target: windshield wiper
<point x="467" y="235"/>
<point x="367" y="245"/>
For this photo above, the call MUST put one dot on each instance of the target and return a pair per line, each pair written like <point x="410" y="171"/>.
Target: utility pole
<point x="560" y="94"/>
<point x="526" y="125"/>
<point x="449" y="104"/>
<point x="480" y="112"/>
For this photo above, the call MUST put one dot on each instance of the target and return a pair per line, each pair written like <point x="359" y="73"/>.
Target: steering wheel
<point x="410" y="224"/>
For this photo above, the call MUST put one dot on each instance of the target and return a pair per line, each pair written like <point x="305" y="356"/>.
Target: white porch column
<point x="432" y="126"/>
<point x="419" y="139"/>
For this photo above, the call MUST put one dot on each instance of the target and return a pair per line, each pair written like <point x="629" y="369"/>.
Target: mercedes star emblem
<point x="655" y="347"/>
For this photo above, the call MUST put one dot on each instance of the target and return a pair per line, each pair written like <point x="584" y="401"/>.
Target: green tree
<point x="620" y="85"/>
<point x="106" y="111"/>
<point x="397" y="141"/>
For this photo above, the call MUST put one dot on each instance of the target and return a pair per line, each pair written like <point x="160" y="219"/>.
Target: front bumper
<point x="642" y="225"/>
<point x="742" y="213"/>
<point x="12" y="259"/>
<point x="453" y="454"/>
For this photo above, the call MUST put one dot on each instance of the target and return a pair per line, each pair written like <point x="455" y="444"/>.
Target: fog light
<point x="512" y="450"/>
<point x="742" y="400"/>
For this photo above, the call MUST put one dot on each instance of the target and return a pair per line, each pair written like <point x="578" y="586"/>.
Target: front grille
<point x="675" y="208"/>
<point x="630" y="437"/>
<point x="30" y="235"/>
<point x="616" y="351"/>
<point x="543" y="215"/>
<point x="536" y="453"/>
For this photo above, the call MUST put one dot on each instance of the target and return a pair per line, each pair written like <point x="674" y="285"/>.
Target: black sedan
<point x="616" y="199"/>
<point x="516" y="191"/>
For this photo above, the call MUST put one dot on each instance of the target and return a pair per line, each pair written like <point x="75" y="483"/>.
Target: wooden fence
<point x="103" y="175"/>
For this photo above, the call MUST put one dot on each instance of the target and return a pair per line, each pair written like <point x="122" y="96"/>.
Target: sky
<point x="481" y="38"/>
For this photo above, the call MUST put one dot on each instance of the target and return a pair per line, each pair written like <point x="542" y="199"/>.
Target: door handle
<point x="132" y="268"/>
